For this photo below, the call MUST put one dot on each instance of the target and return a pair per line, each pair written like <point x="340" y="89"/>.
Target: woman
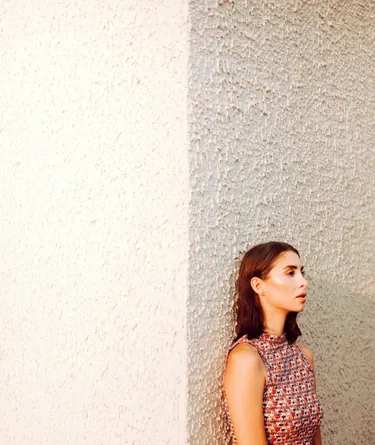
<point x="269" y="380"/>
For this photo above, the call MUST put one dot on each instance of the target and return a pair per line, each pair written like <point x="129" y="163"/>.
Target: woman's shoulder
<point x="244" y="363"/>
<point x="244" y="355"/>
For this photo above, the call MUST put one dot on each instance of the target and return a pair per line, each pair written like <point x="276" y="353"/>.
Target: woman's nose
<point x="305" y="283"/>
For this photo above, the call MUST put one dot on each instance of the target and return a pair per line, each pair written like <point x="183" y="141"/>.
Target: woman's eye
<point x="303" y="272"/>
<point x="291" y="273"/>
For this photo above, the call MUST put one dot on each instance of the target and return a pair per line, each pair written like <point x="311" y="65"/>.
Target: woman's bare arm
<point x="244" y="381"/>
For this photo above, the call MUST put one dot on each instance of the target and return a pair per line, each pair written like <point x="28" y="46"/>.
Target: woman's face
<point x="285" y="284"/>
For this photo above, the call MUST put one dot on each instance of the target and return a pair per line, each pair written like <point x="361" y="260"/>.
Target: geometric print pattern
<point x="291" y="408"/>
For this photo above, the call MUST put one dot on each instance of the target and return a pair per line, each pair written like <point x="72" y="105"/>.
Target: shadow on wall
<point x="339" y="326"/>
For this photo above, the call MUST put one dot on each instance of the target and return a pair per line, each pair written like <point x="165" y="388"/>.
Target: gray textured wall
<point x="281" y="120"/>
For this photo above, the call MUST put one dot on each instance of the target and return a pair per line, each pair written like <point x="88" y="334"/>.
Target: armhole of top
<point x="304" y="358"/>
<point x="244" y="339"/>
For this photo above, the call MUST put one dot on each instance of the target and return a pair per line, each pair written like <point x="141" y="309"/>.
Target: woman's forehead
<point x="288" y="258"/>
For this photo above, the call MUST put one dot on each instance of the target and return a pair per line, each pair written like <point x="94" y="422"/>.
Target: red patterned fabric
<point x="291" y="408"/>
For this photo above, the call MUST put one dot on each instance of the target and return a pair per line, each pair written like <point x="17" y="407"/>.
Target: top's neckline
<point x="273" y="338"/>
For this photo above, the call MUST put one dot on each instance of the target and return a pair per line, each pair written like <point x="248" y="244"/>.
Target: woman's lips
<point x="302" y="295"/>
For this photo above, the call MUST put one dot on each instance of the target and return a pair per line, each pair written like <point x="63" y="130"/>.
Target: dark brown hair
<point x="258" y="262"/>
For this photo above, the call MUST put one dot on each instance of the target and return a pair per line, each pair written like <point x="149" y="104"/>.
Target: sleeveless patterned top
<point x="291" y="408"/>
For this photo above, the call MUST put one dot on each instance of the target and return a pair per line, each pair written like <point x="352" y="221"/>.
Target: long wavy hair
<point x="258" y="262"/>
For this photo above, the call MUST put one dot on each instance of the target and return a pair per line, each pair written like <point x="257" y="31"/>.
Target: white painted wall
<point x="94" y="197"/>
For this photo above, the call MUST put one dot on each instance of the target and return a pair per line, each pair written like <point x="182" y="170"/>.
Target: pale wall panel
<point x="94" y="196"/>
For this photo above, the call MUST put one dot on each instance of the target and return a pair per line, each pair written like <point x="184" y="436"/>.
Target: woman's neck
<point x="275" y="323"/>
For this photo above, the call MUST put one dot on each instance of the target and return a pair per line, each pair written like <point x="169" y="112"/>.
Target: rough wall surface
<point x="94" y="198"/>
<point x="282" y="130"/>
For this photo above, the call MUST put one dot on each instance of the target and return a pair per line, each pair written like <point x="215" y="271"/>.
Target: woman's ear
<point x="256" y="284"/>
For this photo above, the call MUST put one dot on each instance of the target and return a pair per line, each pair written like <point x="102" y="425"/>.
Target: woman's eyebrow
<point x="292" y="266"/>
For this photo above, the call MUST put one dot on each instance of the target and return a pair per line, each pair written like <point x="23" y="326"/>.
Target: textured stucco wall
<point x="94" y="198"/>
<point x="282" y="130"/>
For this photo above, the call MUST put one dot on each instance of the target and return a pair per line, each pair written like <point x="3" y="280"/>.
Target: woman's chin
<point x="301" y="306"/>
